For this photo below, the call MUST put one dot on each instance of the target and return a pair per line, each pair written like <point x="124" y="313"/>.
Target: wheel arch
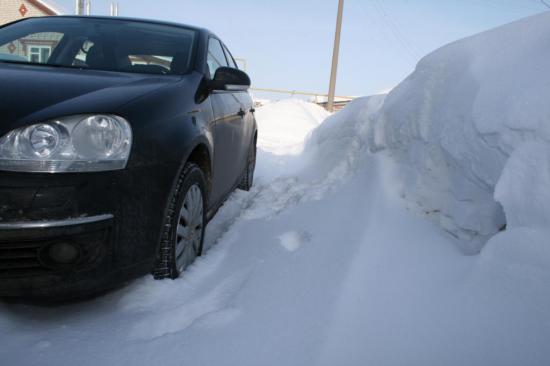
<point x="200" y="155"/>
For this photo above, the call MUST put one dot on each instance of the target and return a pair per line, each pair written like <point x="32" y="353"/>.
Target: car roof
<point x="140" y="20"/>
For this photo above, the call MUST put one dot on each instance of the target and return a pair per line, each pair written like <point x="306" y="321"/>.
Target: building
<point x="35" y="48"/>
<point x="11" y="10"/>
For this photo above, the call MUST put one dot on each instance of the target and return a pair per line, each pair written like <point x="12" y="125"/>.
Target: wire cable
<point x="407" y="46"/>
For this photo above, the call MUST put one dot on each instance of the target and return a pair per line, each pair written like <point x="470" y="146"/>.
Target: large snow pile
<point x="472" y="118"/>
<point x="283" y="126"/>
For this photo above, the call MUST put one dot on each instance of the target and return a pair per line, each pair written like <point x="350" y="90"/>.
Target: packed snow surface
<point x="325" y="263"/>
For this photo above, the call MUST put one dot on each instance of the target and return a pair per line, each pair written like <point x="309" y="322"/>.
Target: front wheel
<point x="184" y="225"/>
<point x="248" y="176"/>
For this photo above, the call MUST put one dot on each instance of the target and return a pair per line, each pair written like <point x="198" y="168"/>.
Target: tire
<point x="184" y="225"/>
<point x="248" y="176"/>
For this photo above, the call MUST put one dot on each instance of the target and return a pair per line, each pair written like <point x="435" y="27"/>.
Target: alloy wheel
<point x="190" y="228"/>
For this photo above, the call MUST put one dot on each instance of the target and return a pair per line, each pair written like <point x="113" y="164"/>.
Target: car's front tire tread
<point x="165" y="266"/>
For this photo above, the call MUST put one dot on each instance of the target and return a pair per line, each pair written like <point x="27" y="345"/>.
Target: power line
<point x="407" y="46"/>
<point x="516" y="6"/>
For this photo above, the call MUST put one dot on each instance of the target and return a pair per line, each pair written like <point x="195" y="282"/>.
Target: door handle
<point x="241" y="113"/>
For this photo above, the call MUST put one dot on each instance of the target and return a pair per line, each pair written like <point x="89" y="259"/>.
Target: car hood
<point x="31" y="94"/>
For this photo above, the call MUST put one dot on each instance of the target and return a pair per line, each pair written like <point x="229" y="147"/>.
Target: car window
<point x="99" y="44"/>
<point x="34" y="48"/>
<point x="216" y="56"/>
<point x="230" y="58"/>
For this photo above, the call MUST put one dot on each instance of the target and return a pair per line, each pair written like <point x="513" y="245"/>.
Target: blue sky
<point x="288" y="43"/>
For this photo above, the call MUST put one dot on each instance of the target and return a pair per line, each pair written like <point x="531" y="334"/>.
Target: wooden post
<point x="79" y="7"/>
<point x="335" y="54"/>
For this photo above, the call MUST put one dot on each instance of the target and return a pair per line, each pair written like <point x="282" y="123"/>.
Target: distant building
<point x="339" y="102"/>
<point x="11" y="10"/>
<point x="35" y="48"/>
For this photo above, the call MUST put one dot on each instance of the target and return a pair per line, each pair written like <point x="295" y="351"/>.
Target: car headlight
<point x="85" y="143"/>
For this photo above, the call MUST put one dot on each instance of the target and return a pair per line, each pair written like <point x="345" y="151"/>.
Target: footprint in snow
<point x="293" y="240"/>
<point x="42" y="345"/>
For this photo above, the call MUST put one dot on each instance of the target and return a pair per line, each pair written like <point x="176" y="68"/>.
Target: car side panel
<point x="249" y="125"/>
<point x="227" y="143"/>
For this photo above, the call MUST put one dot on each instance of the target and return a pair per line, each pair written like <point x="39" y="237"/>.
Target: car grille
<point x="20" y="259"/>
<point x="25" y="257"/>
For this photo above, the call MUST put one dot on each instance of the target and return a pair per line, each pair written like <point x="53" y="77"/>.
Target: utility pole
<point x="114" y="9"/>
<point x="335" y="54"/>
<point x="79" y="7"/>
<point x="83" y="7"/>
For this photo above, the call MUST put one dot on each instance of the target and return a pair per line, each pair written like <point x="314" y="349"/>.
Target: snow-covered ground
<point x="328" y="261"/>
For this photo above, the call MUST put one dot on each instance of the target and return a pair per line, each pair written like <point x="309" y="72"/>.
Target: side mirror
<point x="230" y="79"/>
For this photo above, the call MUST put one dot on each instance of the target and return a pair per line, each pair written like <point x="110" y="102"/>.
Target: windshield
<point x="99" y="44"/>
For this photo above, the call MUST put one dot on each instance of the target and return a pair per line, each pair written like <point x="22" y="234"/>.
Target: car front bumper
<point x="111" y="220"/>
<point x="27" y="266"/>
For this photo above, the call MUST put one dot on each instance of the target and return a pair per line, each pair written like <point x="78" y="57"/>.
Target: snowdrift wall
<point x="473" y="118"/>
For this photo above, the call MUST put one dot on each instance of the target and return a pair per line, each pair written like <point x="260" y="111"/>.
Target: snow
<point x="455" y="122"/>
<point x="523" y="187"/>
<point x="284" y="125"/>
<point x="293" y="240"/>
<point x="327" y="262"/>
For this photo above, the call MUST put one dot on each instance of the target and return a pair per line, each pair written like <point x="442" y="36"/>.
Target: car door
<point x="245" y="133"/>
<point x="228" y="126"/>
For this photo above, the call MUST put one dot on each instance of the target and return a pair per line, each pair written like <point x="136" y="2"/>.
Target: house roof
<point x="46" y="6"/>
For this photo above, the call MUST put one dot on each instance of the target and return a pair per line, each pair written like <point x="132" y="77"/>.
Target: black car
<point x="119" y="140"/>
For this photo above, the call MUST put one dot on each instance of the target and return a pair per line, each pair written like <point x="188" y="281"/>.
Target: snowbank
<point x="471" y="111"/>
<point x="524" y="186"/>
<point x="524" y="191"/>
<point x="340" y="142"/>
<point x="283" y="126"/>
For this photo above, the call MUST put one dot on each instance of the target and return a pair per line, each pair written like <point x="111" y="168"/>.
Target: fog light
<point x="63" y="253"/>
